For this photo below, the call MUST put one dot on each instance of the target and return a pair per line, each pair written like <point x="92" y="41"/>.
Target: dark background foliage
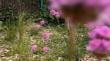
<point x="9" y="10"/>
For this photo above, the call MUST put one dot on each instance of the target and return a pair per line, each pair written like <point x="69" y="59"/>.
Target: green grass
<point x="21" y="36"/>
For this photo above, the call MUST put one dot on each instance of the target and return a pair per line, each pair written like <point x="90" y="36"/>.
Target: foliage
<point x="45" y="14"/>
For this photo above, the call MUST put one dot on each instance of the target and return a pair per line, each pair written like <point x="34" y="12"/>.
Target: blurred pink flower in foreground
<point x="46" y="35"/>
<point x="68" y="2"/>
<point x="101" y="3"/>
<point x="37" y="26"/>
<point x="90" y="2"/>
<point x="42" y="22"/>
<point x="45" y="49"/>
<point x="94" y="24"/>
<point x="103" y="32"/>
<point x="104" y="2"/>
<point x="34" y="48"/>
<point x="99" y="46"/>
<point x="87" y="2"/>
<point x="103" y="19"/>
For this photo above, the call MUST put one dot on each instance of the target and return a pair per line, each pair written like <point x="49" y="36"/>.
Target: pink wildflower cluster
<point x="100" y="40"/>
<point x="39" y="25"/>
<point x="99" y="46"/>
<point x="44" y="36"/>
<point x="100" y="31"/>
<point x="46" y="49"/>
<point x="34" y="48"/>
<point x="100" y="3"/>
<point x="54" y="8"/>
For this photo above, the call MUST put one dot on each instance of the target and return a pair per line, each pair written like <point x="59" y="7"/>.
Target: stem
<point x="99" y="59"/>
<point x="72" y="41"/>
<point x="99" y="56"/>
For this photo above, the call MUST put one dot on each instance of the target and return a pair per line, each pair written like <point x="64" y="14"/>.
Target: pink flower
<point x="65" y="2"/>
<point x="93" y="44"/>
<point x="45" y="49"/>
<point x="37" y="26"/>
<point x="90" y="25"/>
<point x="90" y="2"/>
<point x="104" y="16"/>
<point x="99" y="46"/>
<point x="94" y="24"/>
<point x="34" y="48"/>
<point x="100" y="3"/>
<point x="103" y="32"/>
<point x="104" y="2"/>
<point x="92" y="34"/>
<point x="42" y="22"/>
<point x="107" y="45"/>
<point x="55" y="9"/>
<point x="55" y="12"/>
<point x="46" y="35"/>
<point x="95" y="33"/>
